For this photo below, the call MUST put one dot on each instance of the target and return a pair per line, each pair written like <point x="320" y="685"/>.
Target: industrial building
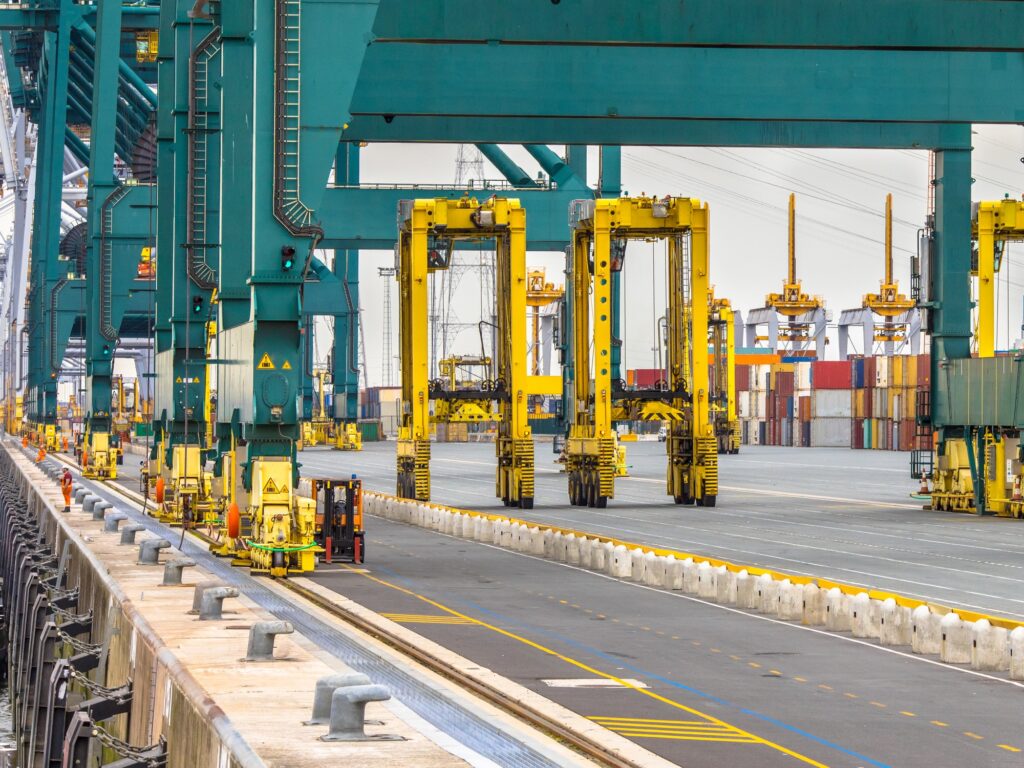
<point x="309" y="457"/>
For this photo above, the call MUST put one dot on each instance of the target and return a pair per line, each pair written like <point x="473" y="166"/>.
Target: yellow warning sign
<point x="266" y="364"/>
<point x="286" y="366"/>
<point x="270" y="486"/>
<point x="178" y="380"/>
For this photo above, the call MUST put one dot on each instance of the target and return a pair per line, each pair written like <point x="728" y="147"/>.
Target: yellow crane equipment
<point x="792" y="303"/>
<point x="462" y="394"/>
<point x="601" y="231"/>
<point x="889" y="303"/>
<point x="428" y="233"/>
<point x="722" y="328"/>
<point x="993" y="225"/>
<point x="539" y="293"/>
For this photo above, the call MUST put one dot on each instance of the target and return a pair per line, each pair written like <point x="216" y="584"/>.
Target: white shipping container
<point x="831" y="404"/>
<point x="759" y="377"/>
<point x="897" y="408"/>
<point x="743" y="405"/>
<point x="802" y="375"/>
<point x="752" y="431"/>
<point x="881" y="371"/>
<point x="831" y="433"/>
<point x="880" y="403"/>
<point x="758" y="404"/>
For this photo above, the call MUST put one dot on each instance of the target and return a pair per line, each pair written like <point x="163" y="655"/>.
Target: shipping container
<point x="649" y="378"/>
<point x="831" y="403"/>
<point x="924" y="371"/>
<point x="831" y="433"/>
<point x="802" y="375"/>
<point x="881" y="371"/>
<point x="857" y="434"/>
<point x="857" y="372"/>
<point x="742" y="378"/>
<point x="805" y="434"/>
<point x="805" y="408"/>
<point x="743" y="405"/>
<point x="869" y="372"/>
<point x="832" y="375"/>
<point x="879" y="403"/>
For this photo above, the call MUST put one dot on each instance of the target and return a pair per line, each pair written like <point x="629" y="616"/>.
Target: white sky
<point x="840" y="225"/>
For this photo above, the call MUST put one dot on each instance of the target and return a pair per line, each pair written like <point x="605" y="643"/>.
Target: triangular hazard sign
<point x="286" y="366"/>
<point x="270" y="486"/>
<point x="266" y="364"/>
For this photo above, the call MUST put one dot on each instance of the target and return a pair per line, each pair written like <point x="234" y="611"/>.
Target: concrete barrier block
<point x="767" y="593"/>
<point x="598" y="556"/>
<point x="896" y="624"/>
<point x="484" y="529"/>
<point x="925" y="630"/>
<point x="637" y="564"/>
<point x="990" y="649"/>
<point x="865" y="616"/>
<point x="469" y="527"/>
<point x="673" y="573"/>
<point x="586" y="550"/>
<point x="549" y="544"/>
<point x="791" y="601"/>
<point x="706" y="580"/>
<point x="746" y="590"/>
<point x="837" y="610"/>
<point x="654" y="570"/>
<point x="536" y="541"/>
<point x="572" y="549"/>
<point x="690" y="583"/>
<point x="813" y="606"/>
<point x="500" y="532"/>
<point x="956" y="641"/>
<point x="622" y="563"/>
<point x="725" y="586"/>
<point x="458" y="521"/>
<point x="1017" y="654"/>
<point x="558" y="547"/>
<point x="449" y="522"/>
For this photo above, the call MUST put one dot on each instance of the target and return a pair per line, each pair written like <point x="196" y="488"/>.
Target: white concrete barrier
<point x="791" y="601"/>
<point x="654" y="570"/>
<point x="837" y="610"/>
<point x="586" y="550"/>
<point x="557" y="547"/>
<point x="448" y="521"/>
<point x="549" y="543"/>
<point x="689" y="576"/>
<point x="599" y="555"/>
<point x="536" y="541"/>
<point x="746" y="590"/>
<point x="621" y="563"/>
<point x="638" y="564"/>
<point x="484" y="529"/>
<point x="925" y="630"/>
<point x="767" y="594"/>
<point x="896" y="624"/>
<point x="706" y="580"/>
<point x="673" y="573"/>
<point x="572" y="548"/>
<point x="813" y="598"/>
<point x="499" y="533"/>
<point x="725" y="586"/>
<point x="866" y="616"/>
<point x="1017" y="654"/>
<point x="956" y="640"/>
<point x="990" y="649"/>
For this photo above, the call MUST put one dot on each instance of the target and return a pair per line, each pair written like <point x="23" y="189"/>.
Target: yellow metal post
<point x="986" y="281"/>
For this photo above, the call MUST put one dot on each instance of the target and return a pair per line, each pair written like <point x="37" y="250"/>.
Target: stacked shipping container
<point x="858" y="403"/>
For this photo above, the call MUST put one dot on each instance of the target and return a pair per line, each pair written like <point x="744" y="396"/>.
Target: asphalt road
<point x="833" y="513"/>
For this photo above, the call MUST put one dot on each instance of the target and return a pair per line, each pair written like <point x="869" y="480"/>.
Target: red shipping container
<point x="869" y="373"/>
<point x="857" y="434"/>
<point x="784" y="382"/>
<point x="649" y="378"/>
<point x="908" y="427"/>
<point x="831" y="375"/>
<point x="742" y="378"/>
<point x="805" y="408"/>
<point x="924" y="371"/>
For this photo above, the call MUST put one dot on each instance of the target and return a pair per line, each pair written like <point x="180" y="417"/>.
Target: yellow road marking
<point x="908" y="714"/>
<point x="878" y="704"/>
<point x="587" y="668"/>
<point x="825" y="687"/>
<point x="753" y="664"/>
<point x="734" y="657"/>
<point x="800" y="679"/>
<point x="851" y="695"/>
<point x="775" y="672"/>
<point x="973" y="735"/>
<point x="680" y="730"/>
<point x="424" y="618"/>
<point x="940" y="723"/>
<point x="1008" y="748"/>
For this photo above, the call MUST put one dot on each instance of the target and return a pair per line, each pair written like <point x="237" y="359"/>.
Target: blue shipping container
<point x="858" y="373"/>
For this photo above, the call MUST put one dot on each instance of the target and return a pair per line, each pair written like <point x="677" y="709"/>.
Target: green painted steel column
<point x="950" y="289"/>
<point x="100" y="341"/>
<point x="346" y="326"/>
<point x="44" y="364"/>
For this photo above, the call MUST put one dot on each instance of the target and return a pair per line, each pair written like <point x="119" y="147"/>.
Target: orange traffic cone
<point x="924" y="485"/>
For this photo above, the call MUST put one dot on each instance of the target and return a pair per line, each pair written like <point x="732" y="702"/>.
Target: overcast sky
<point x="840" y="225"/>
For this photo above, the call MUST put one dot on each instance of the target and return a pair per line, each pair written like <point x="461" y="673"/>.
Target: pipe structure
<point x="508" y="168"/>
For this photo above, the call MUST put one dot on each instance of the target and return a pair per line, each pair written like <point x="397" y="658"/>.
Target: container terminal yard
<point x="312" y="456"/>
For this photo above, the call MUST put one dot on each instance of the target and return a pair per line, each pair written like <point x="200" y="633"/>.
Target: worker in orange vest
<point x="41" y="455"/>
<point x="24" y="441"/>
<point x="65" y="488"/>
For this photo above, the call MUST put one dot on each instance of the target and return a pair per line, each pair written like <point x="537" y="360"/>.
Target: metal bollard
<point x="261" y="639"/>
<point x="129" y="531"/>
<point x="89" y="502"/>
<point x="197" y="595"/>
<point x="80" y="495"/>
<point x="149" y="551"/>
<point x="324" y="691"/>
<point x="213" y="602"/>
<point x="99" y="510"/>
<point x="112" y="521"/>
<point x="348" y="713"/>
<point x="173" y="569"/>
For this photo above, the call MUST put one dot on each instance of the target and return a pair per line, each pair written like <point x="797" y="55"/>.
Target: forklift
<point x="339" y="518"/>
